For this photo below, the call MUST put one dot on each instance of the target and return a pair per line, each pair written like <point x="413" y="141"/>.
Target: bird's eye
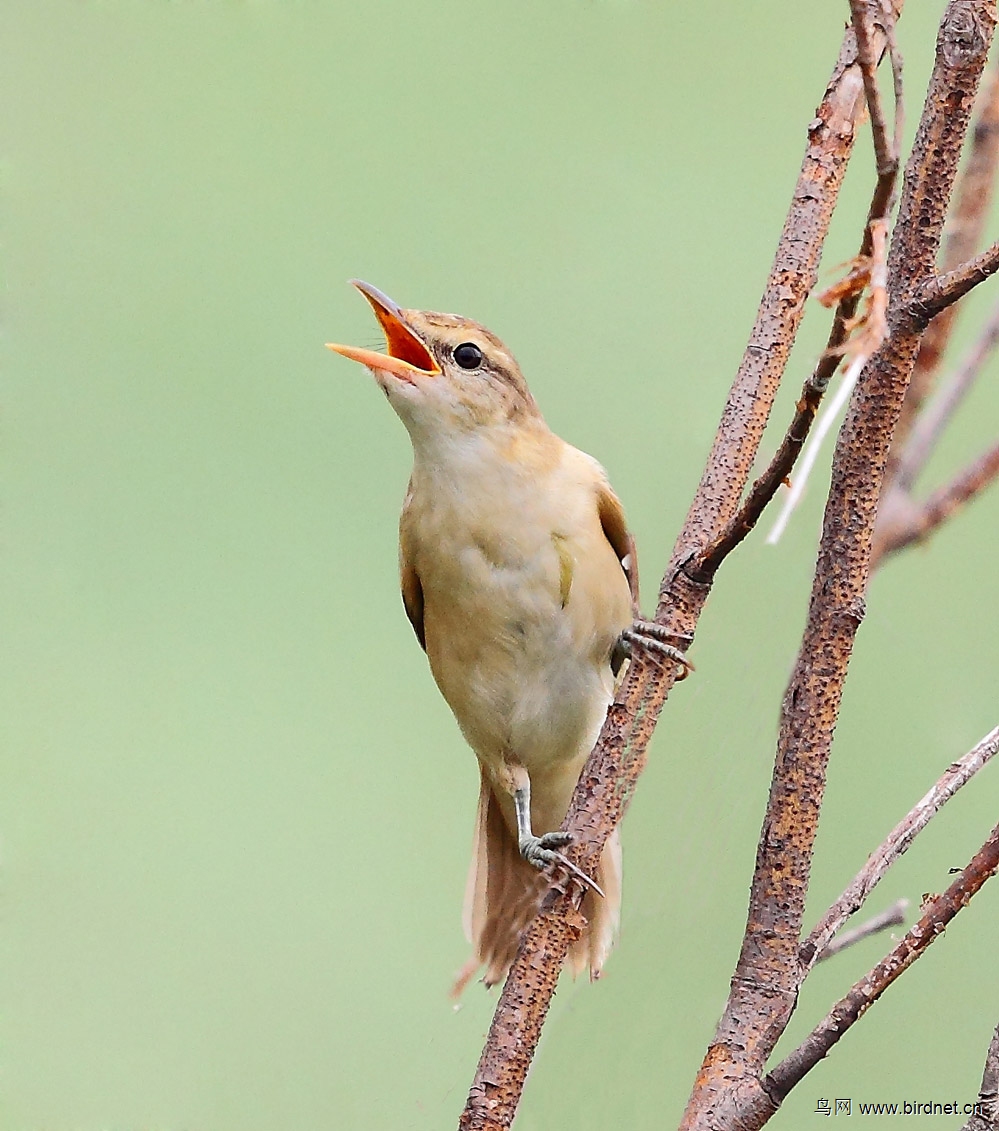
<point x="468" y="356"/>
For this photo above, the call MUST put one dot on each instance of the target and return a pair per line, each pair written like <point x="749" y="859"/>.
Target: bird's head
<point x="441" y="373"/>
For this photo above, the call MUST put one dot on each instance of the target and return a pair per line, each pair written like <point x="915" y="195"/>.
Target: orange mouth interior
<point x="402" y="344"/>
<point x="405" y="355"/>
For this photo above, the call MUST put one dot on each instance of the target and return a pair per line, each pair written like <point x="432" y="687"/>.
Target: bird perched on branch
<point x="520" y="580"/>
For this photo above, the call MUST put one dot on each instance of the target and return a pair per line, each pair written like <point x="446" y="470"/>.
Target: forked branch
<point x="897" y="842"/>
<point x="937" y="913"/>
<point x="867" y="270"/>
<point x="729" y="1087"/>
<point x="939" y="292"/>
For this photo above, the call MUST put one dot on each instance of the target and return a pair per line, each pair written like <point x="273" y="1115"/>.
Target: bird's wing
<point x="412" y="589"/>
<point x="616" y="531"/>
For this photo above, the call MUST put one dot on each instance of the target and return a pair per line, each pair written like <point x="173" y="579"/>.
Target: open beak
<point x="405" y="355"/>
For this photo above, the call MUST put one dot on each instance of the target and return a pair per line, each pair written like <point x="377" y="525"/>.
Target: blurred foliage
<point x="235" y="810"/>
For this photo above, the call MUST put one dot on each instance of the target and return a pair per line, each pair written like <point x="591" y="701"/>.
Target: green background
<point x="235" y="811"/>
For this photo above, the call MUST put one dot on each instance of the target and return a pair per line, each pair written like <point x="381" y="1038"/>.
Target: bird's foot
<point x="655" y="639"/>
<point x="542" y="852"/>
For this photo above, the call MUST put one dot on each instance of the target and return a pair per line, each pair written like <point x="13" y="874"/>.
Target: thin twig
<point x="869" y="267"/>
<point x="986" y="1118"/>
<point x="942" y="291"/>
<point x="935" y="418"/>
<point x="937" y="914"/>
<point x="896" y="75"/>
<point x="897" y="842"/>
<point x="891" y="917"/>
<point x="885" y="153"/>
<point x="921" y="519"/>
<point x="861" y="349"/>
<point x="901" y="520"/>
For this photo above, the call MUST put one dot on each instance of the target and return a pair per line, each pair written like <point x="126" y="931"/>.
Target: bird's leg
<point x="653" y="638"/>
<point x="542" y="851"/>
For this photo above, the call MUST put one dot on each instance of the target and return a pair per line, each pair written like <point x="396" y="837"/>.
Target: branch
<point x="965" y="228"/>
<point x="885" y="151"/>
<point x="987" y="1116"/>
<point x="609" y="776"/>
<point x="890" y="917"/>
<point x="982" y="866"/>
<point x="860" y="348"/>
<point x="767" y="977"/>
<point x="942" y="291"/>
<point x="920" y="520"/>
<point x="831" y="135"/>
<point x="901" y="520"/>
<point x="868" y="267"/>
<point x="890" y="15"/>
<point x="936" y="417"/>
<point x="959" y="773"/>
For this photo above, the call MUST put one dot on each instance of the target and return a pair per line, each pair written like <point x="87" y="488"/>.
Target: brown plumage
<point x="518" y="575"/>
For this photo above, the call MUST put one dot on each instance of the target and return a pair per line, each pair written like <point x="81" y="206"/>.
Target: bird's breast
<point x="523" y="601"/>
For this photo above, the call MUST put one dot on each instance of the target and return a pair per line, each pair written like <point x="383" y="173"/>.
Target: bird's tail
<point x="504" y="893"/>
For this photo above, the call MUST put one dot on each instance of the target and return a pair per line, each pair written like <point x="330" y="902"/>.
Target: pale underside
<point x="514" y="587"/>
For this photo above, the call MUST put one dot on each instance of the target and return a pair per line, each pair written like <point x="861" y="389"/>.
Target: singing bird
<point x="520" y="579"/>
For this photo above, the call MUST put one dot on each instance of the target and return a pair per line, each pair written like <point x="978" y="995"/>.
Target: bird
<point x="519" y="576"/>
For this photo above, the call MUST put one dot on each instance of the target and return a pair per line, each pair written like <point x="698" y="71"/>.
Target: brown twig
<point x="831" y="135"/>
<point x="936" y="416"/>
<point x="767" y="977"/>
<point x="897" y="842"/>
<point x="609" y="776"/>
<point x="871" y="44"/>
<point x="868" y="267"/>
<point x="892" y="916"/>
<point x="939" y="912"/>
<point x="965" y="228"/>
<point x="986" y="1118"/>
<point x="941" y="291"/>
<point x="919" y="520"/>
<point x="703" y="568"/>
<point x="846" y="294"/>
<point x="859" y="349"/>
<point x="885" y="152"/>
<point x="901" y="520"/>
<point x="895" y="55"/>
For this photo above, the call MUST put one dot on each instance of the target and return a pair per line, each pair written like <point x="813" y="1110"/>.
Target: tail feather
<point x="504" y="894"/>
<point x="603" y="916"/>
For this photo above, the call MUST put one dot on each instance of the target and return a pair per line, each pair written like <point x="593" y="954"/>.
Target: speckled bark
<point x="729" y="1091"/>
<point x="937" y="913"/>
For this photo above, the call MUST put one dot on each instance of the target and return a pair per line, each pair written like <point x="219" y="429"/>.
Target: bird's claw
<point x="542" y="852"/>
<point x="655" y="639"/>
